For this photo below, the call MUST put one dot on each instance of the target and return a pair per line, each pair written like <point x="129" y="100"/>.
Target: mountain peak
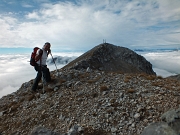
<point x="108" y="57"/>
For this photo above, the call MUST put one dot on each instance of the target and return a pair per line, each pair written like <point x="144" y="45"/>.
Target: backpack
<point x="33" y="54"/>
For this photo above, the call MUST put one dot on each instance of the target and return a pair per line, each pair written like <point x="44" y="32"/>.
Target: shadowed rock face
<point x="108" y="57"/>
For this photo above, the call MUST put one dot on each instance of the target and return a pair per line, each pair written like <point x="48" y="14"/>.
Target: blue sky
<point x="82" y="24"/>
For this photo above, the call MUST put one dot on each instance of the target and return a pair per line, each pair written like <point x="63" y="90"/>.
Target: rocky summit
<point x="93" y="102"/>
<point x="108" y="57"/>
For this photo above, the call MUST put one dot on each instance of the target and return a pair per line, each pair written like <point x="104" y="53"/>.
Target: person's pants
<point x="46" y="75"/>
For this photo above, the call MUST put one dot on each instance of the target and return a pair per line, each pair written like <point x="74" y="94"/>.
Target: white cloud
<point x="163" y="73"/>
<point x="8" y="90"/>
<point x="16" y="70"/>
<point x="32" y="15"/>
<point x="83" y="25"/>
<point x="167" y="61"/>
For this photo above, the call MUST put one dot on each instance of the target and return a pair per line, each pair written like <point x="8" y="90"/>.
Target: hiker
<point x="40" y="65"/>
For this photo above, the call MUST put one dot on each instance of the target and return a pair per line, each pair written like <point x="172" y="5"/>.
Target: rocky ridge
<point x="176" y="77"/>
<point x="108" y="57"/>
<point x="99" y="102"/>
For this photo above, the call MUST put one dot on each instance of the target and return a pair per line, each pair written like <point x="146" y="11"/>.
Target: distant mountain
<point x="108" y="57"/>
<point x="61" y="60"/>
<point x="156" y="50"/>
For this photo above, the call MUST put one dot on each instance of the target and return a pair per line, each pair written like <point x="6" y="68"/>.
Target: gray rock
<point x="113" y="129"/>
<point x="1" y="114"/>
<point x="43" y="131"/>
<point x="88" y="70"/>
<point x="160" y="128"/>
<point x="68" y="84"/>
<point x="56" y="88"/>
<point x="170" y="126"/>
<point x="137" y="115"/>
<point x="172" y="118"/>
<point x="75" y="130"/>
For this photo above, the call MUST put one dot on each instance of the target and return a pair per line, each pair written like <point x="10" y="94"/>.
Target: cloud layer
<point x="15" y="69"/>
<point x="165" y="61"/>
<point x="79" y="25"/>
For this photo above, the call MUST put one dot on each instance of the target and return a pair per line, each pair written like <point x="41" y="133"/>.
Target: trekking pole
<point x="54" y="64"/>
<point x="42" y="77"/>
<point x="43" y="81"/>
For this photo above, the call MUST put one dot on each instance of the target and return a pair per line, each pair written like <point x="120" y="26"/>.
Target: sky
<point x="76" y="26"/>
<point x="82" y="24"/>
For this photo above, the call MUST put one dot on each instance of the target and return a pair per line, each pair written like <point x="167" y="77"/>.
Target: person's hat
<point x="47" y="43"/>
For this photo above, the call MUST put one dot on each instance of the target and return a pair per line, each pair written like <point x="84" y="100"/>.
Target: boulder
<point x="160" y="128"/>
<point x="170" y="124"/>
<point x="172" y="118"/>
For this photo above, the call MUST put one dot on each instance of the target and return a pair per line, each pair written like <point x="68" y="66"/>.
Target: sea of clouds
<point x="164" y="63"/>
<point x="15" y="68"/>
